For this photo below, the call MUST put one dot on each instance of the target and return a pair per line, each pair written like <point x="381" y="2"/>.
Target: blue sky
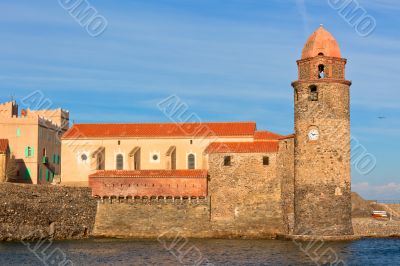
<point x="229" y="60"/>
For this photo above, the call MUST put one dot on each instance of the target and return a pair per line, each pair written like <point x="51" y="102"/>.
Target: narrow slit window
<point x="227" y="161"/>
<point x="265" y="160"/>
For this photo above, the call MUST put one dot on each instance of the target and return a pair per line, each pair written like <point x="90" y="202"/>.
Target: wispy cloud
<point x="388" y="191"/>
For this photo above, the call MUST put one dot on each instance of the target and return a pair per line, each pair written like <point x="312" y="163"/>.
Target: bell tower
<point x="322" y="200"/>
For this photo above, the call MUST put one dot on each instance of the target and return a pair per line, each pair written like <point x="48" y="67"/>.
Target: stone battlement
<point x="155" y="200"/>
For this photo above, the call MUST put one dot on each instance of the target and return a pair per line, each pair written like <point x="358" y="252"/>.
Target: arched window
<point x="313" y="93"/>
<point x="120" y="162"/>
<point x="321" y="71"/>
<point x="191" y="161"/>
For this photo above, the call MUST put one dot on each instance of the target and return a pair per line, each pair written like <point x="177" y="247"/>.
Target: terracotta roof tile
<point x="291" y="136"/>
<point x="242" y="147"/>
<point x="161" y="130"/>
<point x="3" y="145"/>
<point x="151" y="173"/>
<point x="266" y="136"/>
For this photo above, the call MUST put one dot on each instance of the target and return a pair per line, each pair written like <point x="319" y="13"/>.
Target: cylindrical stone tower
<point x="322" y="200"/>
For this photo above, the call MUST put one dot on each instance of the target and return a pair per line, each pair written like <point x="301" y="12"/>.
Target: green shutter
<point x="47" y="175"/>
<point x="32" y="153"/>
<point x="40" y="174"/>
<point x="58" y="159"/>
<point x="18" y="132"/>
<point x="26" y="152"/>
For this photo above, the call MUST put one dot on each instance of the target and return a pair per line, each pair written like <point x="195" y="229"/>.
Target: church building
<point x="297" y="184"/>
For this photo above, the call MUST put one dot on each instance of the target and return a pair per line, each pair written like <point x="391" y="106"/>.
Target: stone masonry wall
<point x="30" y="212"/>
<point x="245" y="196"/>
<point x="153" y="218"/>
<point x="286" y="174"/>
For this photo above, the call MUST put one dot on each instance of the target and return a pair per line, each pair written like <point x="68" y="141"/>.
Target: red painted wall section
<point x="148" y="186"/>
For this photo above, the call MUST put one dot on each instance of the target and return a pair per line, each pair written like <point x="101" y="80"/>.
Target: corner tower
<point x="322" y="198"/>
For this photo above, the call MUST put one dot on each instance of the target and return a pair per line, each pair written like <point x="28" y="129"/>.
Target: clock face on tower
<point x="313" y="134"/>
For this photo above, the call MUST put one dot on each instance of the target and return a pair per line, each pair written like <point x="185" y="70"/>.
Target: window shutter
<point x="26" y="152"/>
<point x="47" y="175"/>
<point x="32" y="153"/>
<point x="40" y="174"/>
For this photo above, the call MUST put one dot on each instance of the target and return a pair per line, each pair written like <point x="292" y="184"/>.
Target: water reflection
<point x="216" y="252"/>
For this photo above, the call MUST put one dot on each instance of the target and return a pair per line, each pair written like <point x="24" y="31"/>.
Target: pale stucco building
<point x="87" y="148"/>
<point x="34" y="142"/>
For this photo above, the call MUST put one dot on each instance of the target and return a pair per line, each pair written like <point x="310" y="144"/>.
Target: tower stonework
<point x="322" y="182"/>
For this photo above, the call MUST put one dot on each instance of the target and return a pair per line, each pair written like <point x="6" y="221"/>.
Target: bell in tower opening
<point x="322" y="181"/>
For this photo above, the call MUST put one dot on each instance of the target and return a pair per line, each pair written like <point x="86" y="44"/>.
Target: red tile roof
<point x="265" y="136"/>
<point x="160" y="130"/>
<point x="151" y="173"/>
<point x="288" y="136"/>
<point x="3" y="145"/>
<point x="242" y="147"/>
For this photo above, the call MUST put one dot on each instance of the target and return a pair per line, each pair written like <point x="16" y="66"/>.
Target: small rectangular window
<point x="265" y="160"/>
<point x="18" y="132"/>
<point x="313" y="93"/>
<point x="28" y="152"/>
<point x="227" y="160"/>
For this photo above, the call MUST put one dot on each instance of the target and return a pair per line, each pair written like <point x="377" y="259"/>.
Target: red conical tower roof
<point x="321" y="42"/>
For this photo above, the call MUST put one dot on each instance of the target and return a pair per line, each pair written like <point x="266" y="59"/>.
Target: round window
<point x="155" y="157"/>
<point x="83" y="157"/>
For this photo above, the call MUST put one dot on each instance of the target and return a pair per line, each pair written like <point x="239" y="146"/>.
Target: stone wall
<point x="31" y="211"/>
<point x="169" y="218"/>
<point x="245" y="196"/>
<point x="152" y="218"/>
<point x="369" y="227"/>
<point x="285" y="173"/>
